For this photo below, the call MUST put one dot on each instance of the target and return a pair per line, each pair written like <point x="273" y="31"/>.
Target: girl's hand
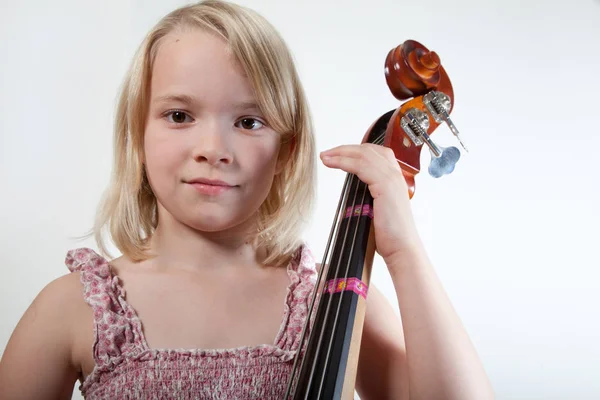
<point x="376" y="166"/>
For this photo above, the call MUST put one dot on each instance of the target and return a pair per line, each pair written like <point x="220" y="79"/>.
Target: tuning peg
<point x="443" y="159"/>
<point x="444" y="164"/>
<point x="438" y="105"/>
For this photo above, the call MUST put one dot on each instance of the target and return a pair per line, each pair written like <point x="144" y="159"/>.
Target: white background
<point x="512" y="232"/>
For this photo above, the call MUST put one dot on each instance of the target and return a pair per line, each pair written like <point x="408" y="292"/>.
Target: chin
<point x="213" y="223"/>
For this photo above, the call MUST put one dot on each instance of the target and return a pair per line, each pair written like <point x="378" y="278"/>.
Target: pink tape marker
<point x="359" y="210"/>
<point x="353" y="284"/>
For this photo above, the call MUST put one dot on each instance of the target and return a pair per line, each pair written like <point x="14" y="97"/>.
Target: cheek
<point x="162" y="154"/>
<point x="265" y="160"/>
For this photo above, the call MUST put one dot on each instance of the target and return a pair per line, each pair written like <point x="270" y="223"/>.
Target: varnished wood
<point x="412" y="71"/>
<point x="352" y="367"/>
<point x="332" y="351"/>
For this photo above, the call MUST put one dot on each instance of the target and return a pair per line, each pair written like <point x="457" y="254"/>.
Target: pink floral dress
<point x="126" y="368"/>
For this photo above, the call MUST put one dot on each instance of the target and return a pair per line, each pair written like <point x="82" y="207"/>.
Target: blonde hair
<point x="128" y="209"/>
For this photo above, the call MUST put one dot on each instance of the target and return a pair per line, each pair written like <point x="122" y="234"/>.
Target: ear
<point x="285" y="154"/>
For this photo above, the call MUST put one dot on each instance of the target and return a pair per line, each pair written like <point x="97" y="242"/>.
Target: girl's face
<point x="203" y="123"/>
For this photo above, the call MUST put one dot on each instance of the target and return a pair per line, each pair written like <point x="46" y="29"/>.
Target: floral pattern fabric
<point x="126" y="368"/>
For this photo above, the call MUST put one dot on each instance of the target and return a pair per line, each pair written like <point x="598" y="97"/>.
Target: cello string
<point x="329" y="302"/>
<point x="330" y="298"/>
<point x="322" y="272"/>
<point x="346" y="272"/>
<point x="325" y="265"/>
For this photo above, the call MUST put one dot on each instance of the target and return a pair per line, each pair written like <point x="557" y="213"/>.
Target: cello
<point x="329" y="363"/>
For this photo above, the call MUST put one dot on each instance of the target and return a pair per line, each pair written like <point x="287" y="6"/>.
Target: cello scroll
<point x="411" y="70"/>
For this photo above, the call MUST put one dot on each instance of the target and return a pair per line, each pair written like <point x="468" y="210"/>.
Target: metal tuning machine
<point x="443" y="159"/>
<point x="438" y="105"/>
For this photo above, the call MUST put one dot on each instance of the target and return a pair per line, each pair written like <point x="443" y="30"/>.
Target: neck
<point x="178" y="246"/>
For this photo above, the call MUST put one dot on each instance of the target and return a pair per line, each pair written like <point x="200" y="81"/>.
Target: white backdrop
<point x="512" y="232"/>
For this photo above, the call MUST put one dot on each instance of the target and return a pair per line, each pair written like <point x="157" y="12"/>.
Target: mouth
<point x="211" y="182"/>
<point x="210" y="187"/>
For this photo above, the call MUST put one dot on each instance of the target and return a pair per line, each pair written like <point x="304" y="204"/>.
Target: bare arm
<point x="426" y="354"/>
<point x="442" y="362"/>
<point x="38" y="361"/>
<point x="382" y="370"/>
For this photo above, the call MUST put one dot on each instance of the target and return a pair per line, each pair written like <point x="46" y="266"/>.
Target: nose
<point x="211" y="145"/>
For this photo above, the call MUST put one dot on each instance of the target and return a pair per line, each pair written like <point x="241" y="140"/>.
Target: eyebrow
<point x="180" y="98"/>
<point x="189" y="100"/>
<point x="246" y="105"/>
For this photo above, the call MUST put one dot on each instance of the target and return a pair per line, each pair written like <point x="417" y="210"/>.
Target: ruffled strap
<point x="117" y="328"/>
<point x="303" y="277"/>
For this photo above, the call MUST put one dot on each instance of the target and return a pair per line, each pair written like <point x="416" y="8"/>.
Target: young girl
<point x="214" y="168"/>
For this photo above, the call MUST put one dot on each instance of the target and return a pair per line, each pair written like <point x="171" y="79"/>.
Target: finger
<point x="365" y="149"/>
<point x="369" y="168"/>
<point x="349" y="150"/>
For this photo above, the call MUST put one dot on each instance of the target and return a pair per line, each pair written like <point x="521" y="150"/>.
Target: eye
<point x="178" y="117"/>
<point x="249" y="123"/>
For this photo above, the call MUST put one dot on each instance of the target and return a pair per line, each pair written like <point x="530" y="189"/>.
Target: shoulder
<point x="59" y="313"/>
<point x="49" y="327"/>
<point x="60" y="305"/>
<point x="60" y="296"/>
